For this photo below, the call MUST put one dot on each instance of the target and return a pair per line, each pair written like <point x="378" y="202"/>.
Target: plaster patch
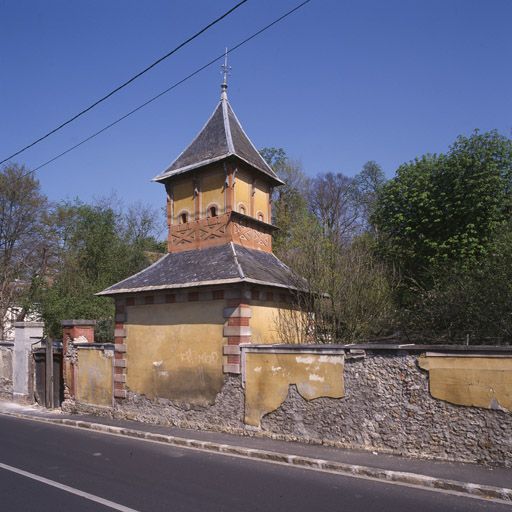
<point x="332" y="359"/>
<point x="305" y="360"/>
<point x="270" y="375"/>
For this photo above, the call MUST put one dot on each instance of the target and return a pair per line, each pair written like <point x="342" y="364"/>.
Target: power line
<point x="159" y="95"/>
<point x="124" y="84"/>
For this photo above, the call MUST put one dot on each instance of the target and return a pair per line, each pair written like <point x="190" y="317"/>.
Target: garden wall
<point x="449" y="403"/>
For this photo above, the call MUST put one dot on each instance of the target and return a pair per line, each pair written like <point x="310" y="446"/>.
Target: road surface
<point x="50" y="468"/>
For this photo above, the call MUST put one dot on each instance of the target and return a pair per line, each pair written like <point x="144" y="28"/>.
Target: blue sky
<point x="336" y="84"/>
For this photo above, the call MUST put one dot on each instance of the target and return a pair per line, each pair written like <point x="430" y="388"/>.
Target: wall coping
<point x="72" y="323"/>
<point x="409" y="347"/>
<point x="28" y="324"/>
<point x="93" y="346"/>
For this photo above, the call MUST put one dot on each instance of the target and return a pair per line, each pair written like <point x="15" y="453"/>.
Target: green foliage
<point x="320" y="221"/>
<point x="466" y="304"/>
<point x="97" y="247"/>
<point x="442" y="222"/>
<point x="447" y="208"/>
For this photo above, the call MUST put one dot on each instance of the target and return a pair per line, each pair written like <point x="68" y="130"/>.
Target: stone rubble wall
<point x="387" y="408"/>
<point x="6" y="371"/>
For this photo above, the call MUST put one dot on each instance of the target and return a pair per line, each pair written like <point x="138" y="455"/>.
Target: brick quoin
<point x="118" y="385"/>
<point x="118" y="371"/>
<point x="236" y="340"/>
<point x="237" y="322"/>
<point x="233" y="359"/>
<point x="118" y="355"/>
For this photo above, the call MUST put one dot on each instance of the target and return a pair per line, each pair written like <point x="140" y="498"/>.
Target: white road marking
<point x="72" y="490"/>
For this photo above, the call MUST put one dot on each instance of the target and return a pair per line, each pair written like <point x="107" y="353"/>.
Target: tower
<point x="180" y="321"/>
<point x="219" y="188"/>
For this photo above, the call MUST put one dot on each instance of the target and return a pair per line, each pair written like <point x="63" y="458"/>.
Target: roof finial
<point x="225" y="72"/>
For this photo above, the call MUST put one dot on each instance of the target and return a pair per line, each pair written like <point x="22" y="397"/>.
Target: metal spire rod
<point x="225" y="72"/>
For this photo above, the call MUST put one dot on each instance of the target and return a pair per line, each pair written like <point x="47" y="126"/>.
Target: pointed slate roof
<point x="221" y="137"/>
<point x="222" y="264"/>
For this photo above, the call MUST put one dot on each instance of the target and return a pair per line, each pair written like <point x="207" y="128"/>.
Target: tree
<point x="447" y="208"/>
<point x="444" y="222"/>
<point x="23" y="249"/>
<point x="368" y="183"/>
<point x="341" y="283"/>
<point x="332" y="198"/>
<point x="96" y="246"/>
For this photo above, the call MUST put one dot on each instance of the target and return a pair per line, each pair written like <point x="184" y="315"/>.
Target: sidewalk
<point x="469" y="479"/>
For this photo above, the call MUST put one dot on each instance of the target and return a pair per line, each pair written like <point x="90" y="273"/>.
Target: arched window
<point x="241" y="209"/>
<point x="261" y="217"/>
<point x="212" y="210"/>
<point x="183" y="217"/>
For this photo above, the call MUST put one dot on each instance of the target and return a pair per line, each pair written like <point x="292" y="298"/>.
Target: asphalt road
<point x="144" y="476"/>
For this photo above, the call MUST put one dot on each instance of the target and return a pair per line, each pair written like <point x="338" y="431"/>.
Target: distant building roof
<point x="221" y="137"/>
<point x="229" y="263"/>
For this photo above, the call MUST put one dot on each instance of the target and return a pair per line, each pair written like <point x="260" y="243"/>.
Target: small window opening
<point x="212" y="211"/>
<point x="183" y="218"/>
<point x="242" y="209"/>
<point x="260" y="217"/>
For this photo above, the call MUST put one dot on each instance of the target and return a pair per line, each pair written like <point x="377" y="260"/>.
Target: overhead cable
<point x="176" y="84"/>
<point x="124" y="84"/>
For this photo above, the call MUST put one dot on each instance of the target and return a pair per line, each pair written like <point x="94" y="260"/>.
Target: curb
<point x="473" y="490"/>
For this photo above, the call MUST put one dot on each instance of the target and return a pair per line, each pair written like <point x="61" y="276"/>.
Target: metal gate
<point x="49" y="386"/>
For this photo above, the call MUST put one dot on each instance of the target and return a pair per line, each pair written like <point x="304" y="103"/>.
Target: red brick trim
<point x="237" y="330"/>
<point x="120" y="348"/>
<point x="218" y="294"/>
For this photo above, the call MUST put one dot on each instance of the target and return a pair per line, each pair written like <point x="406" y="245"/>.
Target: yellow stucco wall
<point x="95" y="377"/>
<point x="212" y="190"/>
<point x="183" y="195"/>
<point x="243" y="189"/>
<point x="269" y="375"/>
<point x="261" y="199"/>
<point x="275" y="323"/>
<point x="474" y="381"/>
<point x="174" y="351"/>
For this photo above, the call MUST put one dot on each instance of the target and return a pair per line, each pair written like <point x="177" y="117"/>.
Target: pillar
<point x="72" y="331"/>
<point x="26" y="334"/>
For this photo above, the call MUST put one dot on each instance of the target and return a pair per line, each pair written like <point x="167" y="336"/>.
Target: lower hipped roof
<point x="229" y="263"/>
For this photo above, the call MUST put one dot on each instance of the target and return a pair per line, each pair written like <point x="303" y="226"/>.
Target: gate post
<point x="25" y="335"/>
<point x="73" y="331"/>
